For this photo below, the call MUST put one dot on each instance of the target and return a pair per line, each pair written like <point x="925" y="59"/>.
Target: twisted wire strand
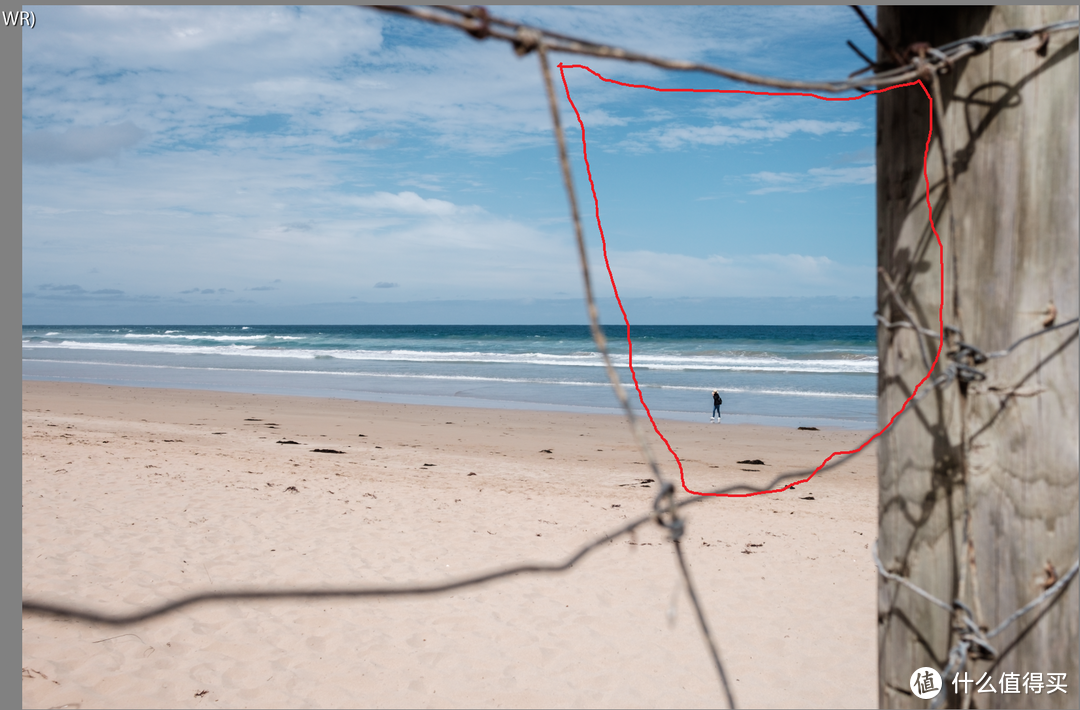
<point x="583" y="262"/>
<point x="928" y="64"/>
<point x="481" y="24"/>
<point x="31" y="606"/>
<point x="1050" y="591"/>
<point x="1029" y="336"/>
<point x="703" y="624"/>
<point x="667" y="517"/>
<point x="971" y="634"/>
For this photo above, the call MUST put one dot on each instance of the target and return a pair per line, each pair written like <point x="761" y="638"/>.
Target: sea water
<point x="823" y="376"/>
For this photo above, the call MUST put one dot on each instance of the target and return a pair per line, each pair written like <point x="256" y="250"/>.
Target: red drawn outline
<point x="629" y="342"/>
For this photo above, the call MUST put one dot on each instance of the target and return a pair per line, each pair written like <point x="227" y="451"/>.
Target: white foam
<point x="476" y="378"/>
<point x="864" y="365"/>
<point x="779" y="392"/>
<point x="134" y="347"/>
<point x="170" y="334"/>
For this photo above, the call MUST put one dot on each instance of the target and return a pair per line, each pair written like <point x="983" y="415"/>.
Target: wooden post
<point x="979" y="484"/>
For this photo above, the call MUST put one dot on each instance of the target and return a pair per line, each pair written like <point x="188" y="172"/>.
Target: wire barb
<point x="972" y="638"/>
<point x="885" y="44"/>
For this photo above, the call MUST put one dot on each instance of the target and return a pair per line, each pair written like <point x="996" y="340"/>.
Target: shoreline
<point x="820" y="421"/>
<point x="134" y="496"/>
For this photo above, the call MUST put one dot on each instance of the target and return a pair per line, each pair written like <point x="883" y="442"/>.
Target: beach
<point x="134" y="496"/>
<point x="786" y="376"/>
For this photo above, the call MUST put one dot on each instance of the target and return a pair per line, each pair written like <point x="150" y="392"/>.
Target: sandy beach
<point x="135" y="496"/>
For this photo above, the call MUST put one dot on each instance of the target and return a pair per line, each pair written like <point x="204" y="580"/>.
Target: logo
<point x="926" y="683"/>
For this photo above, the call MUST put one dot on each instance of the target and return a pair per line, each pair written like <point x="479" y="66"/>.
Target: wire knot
<point x="923" y="69"/>
<point x="979" y="44"/>
<point x="966" y="371"/>
<point x="971" y="633"/>
<point x="945" y="62"/>
<point x="483" y="29"/>
<point x="966" y="350"/>
<point x="667" y="514"/>
<point x="527" y="40"/>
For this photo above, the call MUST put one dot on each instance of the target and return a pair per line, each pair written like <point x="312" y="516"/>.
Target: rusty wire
<point x="481" y="24"/>
<point x="666" y="513"/>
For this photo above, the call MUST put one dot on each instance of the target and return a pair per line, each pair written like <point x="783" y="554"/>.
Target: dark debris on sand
<point x="643" y="482"/>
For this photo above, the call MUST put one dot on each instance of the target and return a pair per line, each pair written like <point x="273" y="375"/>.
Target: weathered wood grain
<point x="1004" y="448"/>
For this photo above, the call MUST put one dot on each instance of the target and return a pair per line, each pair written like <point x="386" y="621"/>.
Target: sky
<point x="334" y="165"/>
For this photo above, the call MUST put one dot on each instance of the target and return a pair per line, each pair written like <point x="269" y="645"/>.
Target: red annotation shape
<point x="615" y="288"/>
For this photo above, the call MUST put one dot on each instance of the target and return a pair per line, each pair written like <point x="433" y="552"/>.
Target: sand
<point x="134" y="496"/>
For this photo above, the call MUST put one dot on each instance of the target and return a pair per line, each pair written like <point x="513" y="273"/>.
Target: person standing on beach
<point x="716" y="402"/>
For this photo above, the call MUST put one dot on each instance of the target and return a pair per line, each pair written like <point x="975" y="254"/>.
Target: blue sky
<point x="232" y="164"/>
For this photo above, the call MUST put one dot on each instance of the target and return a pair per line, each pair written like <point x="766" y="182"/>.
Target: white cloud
<point x="240" y="222"/>
<point x="77" y="145"/>
<point x="599" y="118"/>
<point x="677" y="137"/>
<point x="813" y="179"/>
<point x="646" y="273"/>
<point x="204" y="40"/>
<point x="260" y="218"/>
<point x="750" y="38"/>
<point x="182" y="73"/>
<point x="411" y="203"/>
<point x="368" y="104"/>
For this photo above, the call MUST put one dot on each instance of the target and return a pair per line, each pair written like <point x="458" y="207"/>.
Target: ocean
<point x="824" y="376"/>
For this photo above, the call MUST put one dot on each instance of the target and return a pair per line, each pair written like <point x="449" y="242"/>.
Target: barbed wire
<point x="979" y="357"/>
<point x="958" y="369"/>
<point x="971" y="635"/>
<point x="479" y="23"/>
<point x="676" y="526"/>
<point x="599" y="339"/>
<point x="971" y="638"/>
<point x="668" y="517"/>
<point x="921" y="60"/>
